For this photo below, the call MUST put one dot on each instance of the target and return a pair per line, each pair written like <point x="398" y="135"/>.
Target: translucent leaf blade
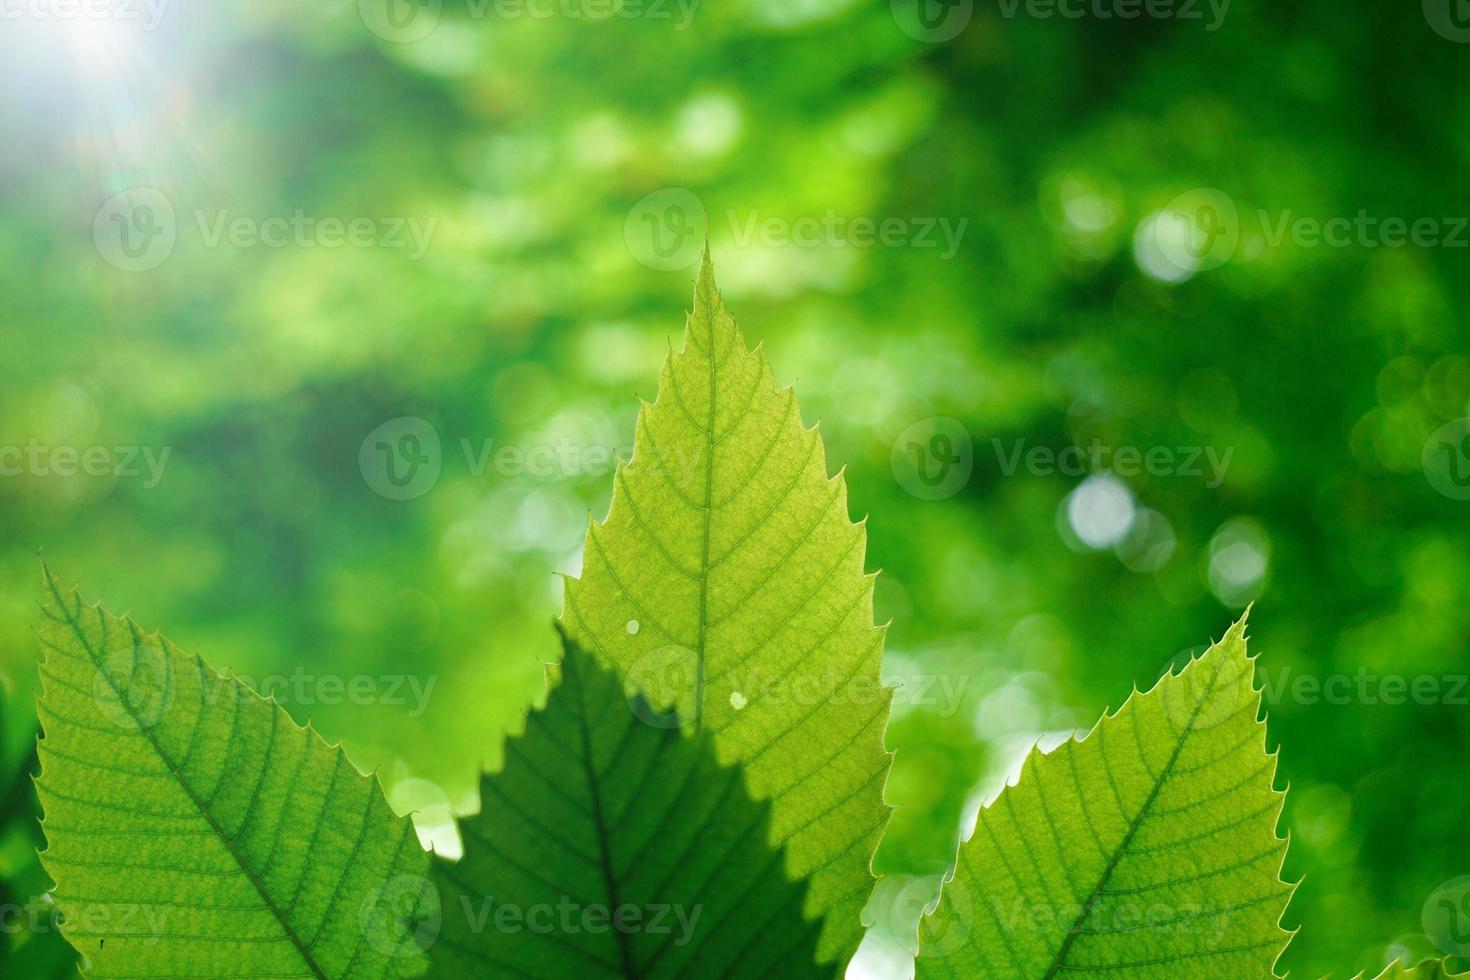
<point x="193" y="829"/>
<point x="727" y="580"/>
<point x="1148" y="849"/>
<point x="604" y="805"/>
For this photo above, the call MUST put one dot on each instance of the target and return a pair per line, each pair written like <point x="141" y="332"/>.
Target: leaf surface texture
<point x="194" y="830"/>
<point x="605" y="805"/>
<point x="727" y="581"/>
<point x="1147" y="849"/>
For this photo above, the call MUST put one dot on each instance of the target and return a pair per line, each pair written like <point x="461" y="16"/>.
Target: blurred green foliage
<point x="529" y="144"/>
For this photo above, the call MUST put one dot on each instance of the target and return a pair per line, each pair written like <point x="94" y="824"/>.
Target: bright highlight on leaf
<point x="1148" y="849"/>
<point x="194" y="830"/>
<point x="731" y="548"/>
<point x="613" y="845"/>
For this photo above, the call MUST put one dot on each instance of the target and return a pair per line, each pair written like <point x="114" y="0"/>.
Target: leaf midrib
<point x="709" y="478"/>
<point x="599" y="821"/>
<point x="219" y="831"/>
<point x="1133" y="827"/>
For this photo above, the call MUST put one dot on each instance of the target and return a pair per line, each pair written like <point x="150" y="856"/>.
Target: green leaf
<point x="194" y="830"/>
<point x="604" y="805"/>
<point x="728" y="581"/>
<point x="1147" y="849"/>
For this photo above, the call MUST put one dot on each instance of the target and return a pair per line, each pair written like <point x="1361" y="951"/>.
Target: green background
<point x="1022" y="605"/>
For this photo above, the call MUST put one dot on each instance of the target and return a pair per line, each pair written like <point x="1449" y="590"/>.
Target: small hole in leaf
<point x="737" y="700"/>
<point x="632" y="627"/>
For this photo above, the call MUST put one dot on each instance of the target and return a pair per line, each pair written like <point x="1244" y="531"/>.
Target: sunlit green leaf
<point x="194" y="830"/>
<point x="1147" y="849"/>
<point x="728" y="580"/>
